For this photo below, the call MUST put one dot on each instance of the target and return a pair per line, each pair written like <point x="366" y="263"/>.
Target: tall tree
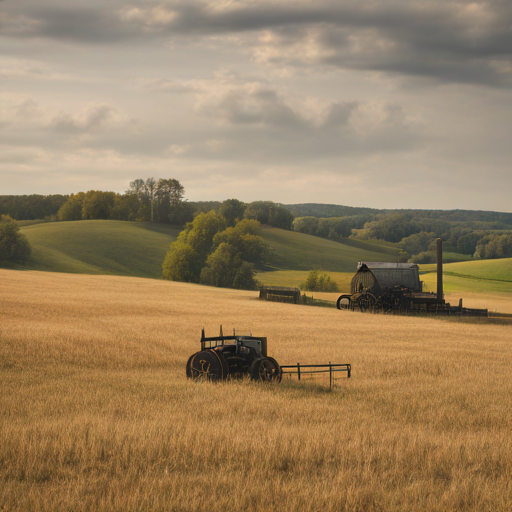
<point x="150" y="191"/>
<point x="170" y="194"/>
<point x="136" y="187"/>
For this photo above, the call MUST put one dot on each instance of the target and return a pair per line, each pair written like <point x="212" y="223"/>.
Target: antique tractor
<point x="233" y="357"/>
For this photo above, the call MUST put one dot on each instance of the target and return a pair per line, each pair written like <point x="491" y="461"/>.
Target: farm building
<point x="376" y="277"/>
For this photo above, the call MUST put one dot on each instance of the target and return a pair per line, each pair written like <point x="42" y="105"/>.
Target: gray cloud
<point x="451" y="41"/>
<point x="253" y="104"/>
<point x="92" y="119"/>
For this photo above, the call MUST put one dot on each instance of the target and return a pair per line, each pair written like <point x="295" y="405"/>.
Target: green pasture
<point x="297" y="251"/>
<point x="100" y="247"/>
<point x="452" y="284"/>
<point x="497" y="270"/>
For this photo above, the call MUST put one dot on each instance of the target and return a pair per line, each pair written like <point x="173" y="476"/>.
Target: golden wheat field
<point x="97" y="415"/>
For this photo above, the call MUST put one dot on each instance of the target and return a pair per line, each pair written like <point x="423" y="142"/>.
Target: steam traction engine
<point x="396" y="287"/>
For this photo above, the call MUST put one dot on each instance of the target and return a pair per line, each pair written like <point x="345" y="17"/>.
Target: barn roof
<point x="385" y="264"/>
<point x="389" y="275"/>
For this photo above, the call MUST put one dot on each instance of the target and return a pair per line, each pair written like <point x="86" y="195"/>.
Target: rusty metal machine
<point x="245" y="356"/>
<point x="396" y="287"/>
<point x="222" y="357"/>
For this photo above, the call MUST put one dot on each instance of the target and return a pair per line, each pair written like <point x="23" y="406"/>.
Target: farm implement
<point x="396" y="288"/>
<point x="236" y="357"/>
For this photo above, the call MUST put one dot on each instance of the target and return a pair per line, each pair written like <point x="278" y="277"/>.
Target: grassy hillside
<point x="496" y="270"/>
<point x="296" y="251"/>
<point x="296" y="254"/>
<point x="485" y="276"/>
<point x="100" y="247"/>
<point x="139" y="248"/>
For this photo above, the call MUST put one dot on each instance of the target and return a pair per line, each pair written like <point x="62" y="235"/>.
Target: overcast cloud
<point x="390" y="103"/>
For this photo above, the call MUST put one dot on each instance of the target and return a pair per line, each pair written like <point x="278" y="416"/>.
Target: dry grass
<point x="96" y="413"/>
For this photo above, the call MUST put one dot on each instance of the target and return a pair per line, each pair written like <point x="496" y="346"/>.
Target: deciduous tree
<point x="14" y="246"/>
<point x="232" y="210"/>
<point x="267" y="212"/>
<point x="98" y="204"/>
<point x="72" y="208"/>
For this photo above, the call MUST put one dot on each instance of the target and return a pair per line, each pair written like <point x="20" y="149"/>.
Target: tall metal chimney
<point x="440" y="294"/>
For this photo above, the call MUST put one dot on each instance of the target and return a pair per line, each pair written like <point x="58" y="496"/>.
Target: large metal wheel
<point x="207" y="365"/>
<point x="339" y="303"/>
<point x="266" y="369"/>
<point x="189" y="365"/>
<point x="366" y="302"/>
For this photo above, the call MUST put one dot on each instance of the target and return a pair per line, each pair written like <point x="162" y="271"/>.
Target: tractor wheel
<point x="339" y="305"/>
<point x="266" y="369"/>
<point x="365" y="302"/>
<point x="208" y="365"/>
<point x="189" y="365"/>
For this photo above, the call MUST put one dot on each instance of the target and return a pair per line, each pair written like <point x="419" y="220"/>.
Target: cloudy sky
<point x="380" y="103"/>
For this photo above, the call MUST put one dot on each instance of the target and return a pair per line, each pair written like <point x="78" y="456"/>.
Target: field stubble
<point x="96" y="413"/>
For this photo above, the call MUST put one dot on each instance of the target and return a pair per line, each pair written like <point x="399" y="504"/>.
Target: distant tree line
<point x="163" y="201"/>
<point x="452" y="216"/>
<point x="150" y="200"/>
<point x="415" y="232"/>
<point x="466" y="232"/>
<point x="333" y="227"/>
<point x="265" y="212"/>
<point x="329" y="210"/>
<point x="31" y="207"/>
<point x="416" y="236"/>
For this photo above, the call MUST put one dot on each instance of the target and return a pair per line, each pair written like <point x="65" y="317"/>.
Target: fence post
<point x="298" y="370"/>
<point x="330" y="375"/>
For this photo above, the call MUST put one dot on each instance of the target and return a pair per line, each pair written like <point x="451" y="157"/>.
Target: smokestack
<point x="439" y="270"/>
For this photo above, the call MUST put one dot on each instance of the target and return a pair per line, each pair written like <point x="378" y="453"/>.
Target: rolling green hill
<point x="100" y="247"/>
<point x="138" y="249"/>
<point x="296" y="254"/>
<point x="296" y="251"/>
<point x="490" y="270"/>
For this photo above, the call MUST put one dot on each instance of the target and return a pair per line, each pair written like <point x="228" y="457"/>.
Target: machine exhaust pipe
<point x="440" y="293"/>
